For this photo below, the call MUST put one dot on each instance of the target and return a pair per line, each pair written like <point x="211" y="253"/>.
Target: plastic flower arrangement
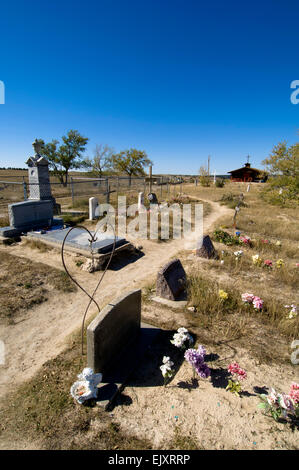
<point x="293" y="312"/>
<point x="280" y="404"/>
<point x="247" y="298"/>
<point x="267" y="242"/>
<point x="196" y="357"/>
<point x="166" y="369"/>
<point x="223" y="295"/>
<point x="256" y="301"/>
<point x="86" y="387"/>
<point x="238" y="254"/>
<point x="268" y="263"/>
<point x="245" y="240"/>
<point x="294" y="394"/>
<point x="182" y="339"/>
<point x="257" y="260"/>
<point x="279" y="263"/>
<point x="226" y="238"/>
<point x="238" y="375"/>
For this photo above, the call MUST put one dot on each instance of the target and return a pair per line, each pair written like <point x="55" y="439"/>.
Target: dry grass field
<point x="187" y="414"/>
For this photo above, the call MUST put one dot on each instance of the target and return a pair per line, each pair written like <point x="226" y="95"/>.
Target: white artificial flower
<point x="165" y="359"/>
<point x="182" y="330"/>
<point x="85" y="374"/>
<point x="272" y="397"/>
<point x="86" y="387"/>
<point x="166" y="366"/>
<point x="238" y="253"/>
<point x="181" y="337"/>
<point x="82" y="391"/>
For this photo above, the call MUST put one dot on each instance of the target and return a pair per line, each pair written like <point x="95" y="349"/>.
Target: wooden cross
<point x="237" y="209"/>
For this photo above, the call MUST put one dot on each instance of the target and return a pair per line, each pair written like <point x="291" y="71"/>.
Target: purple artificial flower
<point x="203" y="370"/>
<point x="202" y="351"/>
<point x="193" y="357"/>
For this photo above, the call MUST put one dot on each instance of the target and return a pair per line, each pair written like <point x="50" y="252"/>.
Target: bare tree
<point x="101" y="160"/>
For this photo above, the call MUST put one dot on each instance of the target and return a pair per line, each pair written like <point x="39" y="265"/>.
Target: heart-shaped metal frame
<point x="92" y="240"/>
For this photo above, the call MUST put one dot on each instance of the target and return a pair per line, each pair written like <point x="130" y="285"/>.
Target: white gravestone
<point x="93" y="204"/>
<point x="140" y="201"/>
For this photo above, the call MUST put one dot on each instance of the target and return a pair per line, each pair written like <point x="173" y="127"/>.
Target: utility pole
<point x="209" y="158"/>
<point x="150" y="178"/>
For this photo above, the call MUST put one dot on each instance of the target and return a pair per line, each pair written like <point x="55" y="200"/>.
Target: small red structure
<point x="245" y="174"/>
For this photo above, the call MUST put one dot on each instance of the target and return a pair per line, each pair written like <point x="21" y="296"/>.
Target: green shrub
<point x="219" y="183"/>
<point x="226" y="238"/>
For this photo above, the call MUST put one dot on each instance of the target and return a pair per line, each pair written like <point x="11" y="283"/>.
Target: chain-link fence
<point x="76" y="193"/>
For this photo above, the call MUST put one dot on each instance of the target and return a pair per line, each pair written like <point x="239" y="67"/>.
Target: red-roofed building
<point x="245" y="174"/>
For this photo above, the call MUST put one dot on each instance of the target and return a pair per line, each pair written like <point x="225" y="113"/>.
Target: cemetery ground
<point x="43" y="340"/>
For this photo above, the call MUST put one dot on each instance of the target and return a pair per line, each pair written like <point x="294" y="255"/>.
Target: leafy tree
<point x="283" y="160"/>
<point x="67" y="156"/>
<point x="101" y="161"/>
<point x="204" y="177"/>
<point x="131" y="162"/>
<point x="283" y="164"/>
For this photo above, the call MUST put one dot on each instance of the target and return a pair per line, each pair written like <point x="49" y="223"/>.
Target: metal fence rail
<point x="79" y="189"/>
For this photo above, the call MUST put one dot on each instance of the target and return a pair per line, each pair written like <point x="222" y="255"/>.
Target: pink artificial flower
<point x="248" y="298"/>
<point x="236" y="370"/>
<point x="245" y="240"/>
<point x="297" y="265"/>
<point x="294" y="393"/>
<point x="268" y="263"/>
<point x="257" y="303"/>
<point x="264" y="241"/>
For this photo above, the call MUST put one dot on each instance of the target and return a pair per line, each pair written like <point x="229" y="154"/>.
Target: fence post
<point x="72" y="190"/>
<point x="25" y="189"/>
<point x="107" y="191"/>
<point x="150" y="178"/>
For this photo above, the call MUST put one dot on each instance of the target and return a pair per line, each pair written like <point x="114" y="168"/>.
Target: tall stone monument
<point x="36" y="212"/>
<point x="39" y="179"/>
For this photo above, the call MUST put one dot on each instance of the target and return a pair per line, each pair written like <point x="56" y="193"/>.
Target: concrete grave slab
<point x="176" y="304"/>
<point x="78" y="240"/>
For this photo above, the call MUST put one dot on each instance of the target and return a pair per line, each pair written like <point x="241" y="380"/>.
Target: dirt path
<point x="41" y="334"/>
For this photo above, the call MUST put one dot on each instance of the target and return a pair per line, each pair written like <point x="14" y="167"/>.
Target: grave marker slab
<point x="171" y="281"/>
<point x="206" y="250"/>
<point x="116" y="326"/>
<point x="116" y="342"/>
<point x="93" y="204"/>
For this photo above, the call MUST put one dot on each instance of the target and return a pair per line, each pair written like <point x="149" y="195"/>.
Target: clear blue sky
<point x="179" y="79"/>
